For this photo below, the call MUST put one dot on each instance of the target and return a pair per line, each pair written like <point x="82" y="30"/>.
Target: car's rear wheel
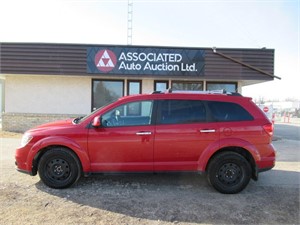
<point x="59" y="168"/>
<point x="229" y="172"/>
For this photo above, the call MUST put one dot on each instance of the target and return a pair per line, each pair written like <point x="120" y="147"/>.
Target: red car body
<point x="153" y="147"/>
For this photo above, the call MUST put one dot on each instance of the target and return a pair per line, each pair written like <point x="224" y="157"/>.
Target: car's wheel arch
<point x="239" y="146"/>
<point x="229" y="172"/>
<point x="241" y="151"/>
<point x="59" y="167"/>
<point x="43" y="146"/>
<point x="41" y="152"/>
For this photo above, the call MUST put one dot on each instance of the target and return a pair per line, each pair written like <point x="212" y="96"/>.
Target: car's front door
<point x="124" y="142"/>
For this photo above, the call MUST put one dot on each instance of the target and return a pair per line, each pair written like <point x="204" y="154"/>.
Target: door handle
<point x="208" y="131"/>
<point x="141" y="133"/>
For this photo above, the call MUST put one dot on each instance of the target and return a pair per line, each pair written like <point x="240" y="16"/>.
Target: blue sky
<point x="240" y="24"/>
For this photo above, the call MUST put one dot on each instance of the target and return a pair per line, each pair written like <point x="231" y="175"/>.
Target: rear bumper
<point x="265" y="169"/>
<point x="267" y="159"/>
<point x="265" y="164"/>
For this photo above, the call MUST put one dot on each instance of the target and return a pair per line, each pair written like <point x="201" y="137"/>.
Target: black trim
<point x="265" y="169"/>
<point x="26" y="172"/>
<point x="154" y="112"/>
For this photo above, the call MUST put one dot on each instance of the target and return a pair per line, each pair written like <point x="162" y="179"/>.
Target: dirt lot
<point x="149" y="199"/>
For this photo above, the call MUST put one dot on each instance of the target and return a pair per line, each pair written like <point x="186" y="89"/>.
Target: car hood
<point x="53" y="125"/>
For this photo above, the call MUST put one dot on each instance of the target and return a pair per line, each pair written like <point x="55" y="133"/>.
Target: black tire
<point x="59" y="168"/>
<point x="229" y="172"/>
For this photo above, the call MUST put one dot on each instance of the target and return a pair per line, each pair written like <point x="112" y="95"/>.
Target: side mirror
<point x="96" y="122"/>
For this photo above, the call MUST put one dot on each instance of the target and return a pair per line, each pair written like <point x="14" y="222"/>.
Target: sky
<point x="273" y="24"/>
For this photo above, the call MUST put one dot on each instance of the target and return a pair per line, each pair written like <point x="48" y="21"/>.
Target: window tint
<point x="130" y="114"/>
<point x="182" y="111"/>
<point x="228" y="111"/>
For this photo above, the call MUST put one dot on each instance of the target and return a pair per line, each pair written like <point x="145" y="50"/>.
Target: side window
<point x="182" y="111"/>
<point x="228" y="111"/>
<point x="130" y="114"/>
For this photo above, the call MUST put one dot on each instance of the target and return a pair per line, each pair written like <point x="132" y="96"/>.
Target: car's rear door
<point x="182" y="134"/>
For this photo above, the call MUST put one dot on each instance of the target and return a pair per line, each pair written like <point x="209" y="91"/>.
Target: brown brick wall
<point x="20" y="122"/>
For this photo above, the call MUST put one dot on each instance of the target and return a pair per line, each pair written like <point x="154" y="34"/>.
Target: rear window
<point x="228" y="111"/>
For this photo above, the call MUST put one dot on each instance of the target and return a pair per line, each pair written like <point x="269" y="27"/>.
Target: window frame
<point x="134" y="81"/>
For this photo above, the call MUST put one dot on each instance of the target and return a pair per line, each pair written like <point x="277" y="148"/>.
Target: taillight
<point x="269" y="128"/>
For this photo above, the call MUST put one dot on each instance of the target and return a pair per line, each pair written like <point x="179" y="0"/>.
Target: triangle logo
<point x="105" y="60"/>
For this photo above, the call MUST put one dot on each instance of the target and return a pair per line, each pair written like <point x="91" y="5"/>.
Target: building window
<point x="187" y="86"/>
<point x="134" y="87"/>
<point x="161" y="85"/>
<point x="106" y="91"/>
<point x="229" y="87"/>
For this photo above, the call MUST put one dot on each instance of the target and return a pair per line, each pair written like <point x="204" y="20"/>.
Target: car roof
<point x="234" y="97"/>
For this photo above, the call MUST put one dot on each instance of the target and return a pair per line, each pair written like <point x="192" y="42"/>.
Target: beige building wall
<point x="31" y="100"/>
<point x="47" y="94"/>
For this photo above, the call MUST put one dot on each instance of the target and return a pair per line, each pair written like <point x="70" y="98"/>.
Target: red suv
<point x="225" y="136"/>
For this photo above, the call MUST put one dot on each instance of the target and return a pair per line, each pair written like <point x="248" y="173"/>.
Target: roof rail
<point x="156" y="92"/>
<point x="222" y="91"/>
<point x="202" y="92"/>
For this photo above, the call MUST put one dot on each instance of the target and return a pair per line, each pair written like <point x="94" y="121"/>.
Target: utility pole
<point x="129" y="22"/>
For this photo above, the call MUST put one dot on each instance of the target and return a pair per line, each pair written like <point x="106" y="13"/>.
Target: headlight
<point x="25" y="139"/>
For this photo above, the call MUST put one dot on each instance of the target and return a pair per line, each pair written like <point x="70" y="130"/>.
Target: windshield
<point x="83" y="118"/>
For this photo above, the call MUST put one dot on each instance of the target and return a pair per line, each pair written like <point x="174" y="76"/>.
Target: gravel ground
<point x="149" y="199"/>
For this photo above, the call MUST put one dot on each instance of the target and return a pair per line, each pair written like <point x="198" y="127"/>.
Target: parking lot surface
<point x="151" y="199"/>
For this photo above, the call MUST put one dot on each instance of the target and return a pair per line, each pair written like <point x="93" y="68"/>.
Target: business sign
<point x="145" y="61"/>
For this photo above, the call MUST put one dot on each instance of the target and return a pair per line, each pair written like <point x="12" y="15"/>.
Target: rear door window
<point x="228" y="111"/>
<point x="182" y="111"/>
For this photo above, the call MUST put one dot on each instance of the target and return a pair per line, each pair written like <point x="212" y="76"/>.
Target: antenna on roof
<point x="129" y="22"/>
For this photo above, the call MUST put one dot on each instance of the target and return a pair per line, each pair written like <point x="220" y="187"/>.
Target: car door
<point x="182" y="134"/>
<point x="124" y="141"/>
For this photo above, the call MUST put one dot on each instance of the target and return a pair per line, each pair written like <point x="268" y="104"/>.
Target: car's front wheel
<point x="59" y="168"/>
<point x="229" y="172"/>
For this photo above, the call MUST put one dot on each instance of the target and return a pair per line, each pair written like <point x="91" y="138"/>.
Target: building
<point x="45" y="82"/>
